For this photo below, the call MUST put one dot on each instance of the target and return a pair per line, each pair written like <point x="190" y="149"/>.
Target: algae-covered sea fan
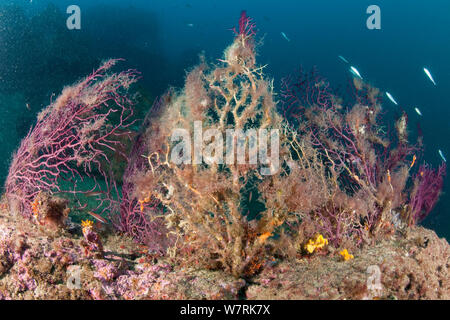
<point x="203" y="196"/>
<point x="369" y="167"/>
<point x="138" y="213"/>
<point x="71" y="138"/>
<point x="427" y="188"/>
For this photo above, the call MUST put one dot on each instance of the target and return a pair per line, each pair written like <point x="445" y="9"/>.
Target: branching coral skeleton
<point x="339" y="176"/>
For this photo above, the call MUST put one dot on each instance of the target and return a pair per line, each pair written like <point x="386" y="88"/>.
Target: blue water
<point x="155" y="37"/>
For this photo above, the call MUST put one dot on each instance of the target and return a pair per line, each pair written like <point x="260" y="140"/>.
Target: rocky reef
<point x="332" y="213"/>
<point x="36" y="264"/>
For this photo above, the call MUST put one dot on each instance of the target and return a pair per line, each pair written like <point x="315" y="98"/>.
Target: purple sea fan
<point x="247" y="29"/>
<point x="426" y="191"/>
<point x="137" y="214"/>
<point x="71" y="138"/>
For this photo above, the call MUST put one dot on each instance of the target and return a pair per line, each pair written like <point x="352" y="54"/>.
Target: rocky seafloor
<point x="36" y="264"/>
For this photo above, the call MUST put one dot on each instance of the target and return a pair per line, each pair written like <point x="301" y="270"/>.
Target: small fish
<point x="343" y="59"/>
<point x="97" y="217"/>
<point x="285" y="36"/>
<point x="93" y="193"/>
<point x="442" y="155"/>
<point x="418" y="111"/>
<point x="428" y="73"/>
<point x="391" y="98"/>
<point x="190" y="25"/>
<point x="28" y="106"/>
<point x="355" y="71"/>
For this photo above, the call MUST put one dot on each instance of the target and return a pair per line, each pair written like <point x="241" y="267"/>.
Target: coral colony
<point x="71" y="138"/>
<point x="221" y="175"/>
<point x="340" y="176"/>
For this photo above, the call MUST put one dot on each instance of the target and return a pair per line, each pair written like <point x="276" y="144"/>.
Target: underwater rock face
<point x="39" y="265"/>
<point x="411" y="267"/>
<point x="35" y="265"/>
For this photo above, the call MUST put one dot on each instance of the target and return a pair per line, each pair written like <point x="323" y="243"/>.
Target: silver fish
<point x="343" y="59"/>
<point x="355" y="72"/>
<point x="442" y="155"/>
<point x="428" y="73"/>
<point x="418" y="111"/>
<point x="285" y="36"/>
<point x="391" y="98"/>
